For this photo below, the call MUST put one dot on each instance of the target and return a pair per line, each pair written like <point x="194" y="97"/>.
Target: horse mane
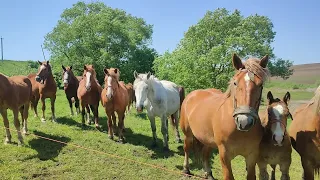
<point x="252" y="65"/>
<point x="315" y="100"/>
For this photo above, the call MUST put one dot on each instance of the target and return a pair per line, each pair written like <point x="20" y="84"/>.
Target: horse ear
<point x="39" y="62"/>
<point x="64" y="68"/>
<point x="135" y="74"/>
<point x="70" y="67"/>
<point x="264" y="61"/>
<point x="287" y="98"/>
<point x="236" y="61"/>
<point x="105" y="70"/>
<point x="148" y="75"/>
<point x="47" y="62"/>
<point x="84" y="67"/>
<point x="270" y="97"/>
<point x="116" y="70"/>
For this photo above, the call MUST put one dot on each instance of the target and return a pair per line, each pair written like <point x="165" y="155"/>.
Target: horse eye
<point x="235" y="83"/>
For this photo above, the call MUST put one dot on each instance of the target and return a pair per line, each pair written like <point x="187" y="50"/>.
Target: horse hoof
<point x="209" y="176"/>
<point x="43" y="120"/>
<point x="121" y="141"/>
<point x="110" y="137"/>
<point x="179" y="141"/>
<point x="186" y="172"/>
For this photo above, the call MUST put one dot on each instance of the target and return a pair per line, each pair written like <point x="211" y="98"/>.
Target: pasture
<point x="43" y="159"/>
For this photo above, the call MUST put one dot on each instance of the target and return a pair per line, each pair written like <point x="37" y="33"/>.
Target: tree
<point x="203" y="57"/>
<point x="281" y="68"/>
<point x="96" y="34"/>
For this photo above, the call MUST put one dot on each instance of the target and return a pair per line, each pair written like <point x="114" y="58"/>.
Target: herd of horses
<point x="209" y="118"/>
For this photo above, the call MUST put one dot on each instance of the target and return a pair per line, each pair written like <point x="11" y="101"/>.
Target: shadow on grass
<point x="146" y="141"/>
<point x="47" y="150"/>
<point x="194" y="164"/>
<point x="142" y="115"/>
<point x="71" y="122"/>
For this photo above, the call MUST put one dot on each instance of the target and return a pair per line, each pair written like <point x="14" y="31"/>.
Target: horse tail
<point x="182" y="95"/>
<point x="197" y="148"/>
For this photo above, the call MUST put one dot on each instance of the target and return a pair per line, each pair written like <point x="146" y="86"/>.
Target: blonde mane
<point x="252" y="65"/>
<point x="315" y="100"/>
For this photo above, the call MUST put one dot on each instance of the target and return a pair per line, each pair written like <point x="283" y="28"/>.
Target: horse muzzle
<point x="139" y="109"/>
<point x="38" y="79"/>
<point x="245" y="118"/>
<point x="88" y="88"/>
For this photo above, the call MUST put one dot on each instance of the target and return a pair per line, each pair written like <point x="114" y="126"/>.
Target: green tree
<point x="203" y="57"/>
<point x="281" y="68"/>
<point x="96" y="34"/>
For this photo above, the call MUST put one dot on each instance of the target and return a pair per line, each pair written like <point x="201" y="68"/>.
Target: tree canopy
<point x="96" y="34"/>
<point x="203" y="57"/>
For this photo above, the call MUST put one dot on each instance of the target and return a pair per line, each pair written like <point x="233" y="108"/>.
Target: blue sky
<point x="24" y="23"/>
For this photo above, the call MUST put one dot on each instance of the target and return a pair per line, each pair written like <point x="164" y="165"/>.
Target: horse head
<point x="246" y="90"/>
<point x="141" y="88"/>
<point x="67" y="74"/>
<point x="89" y="75"/>
<point x="43" y="72"/>
<point x="111" y="81"/>
<point x="278" y="113"/>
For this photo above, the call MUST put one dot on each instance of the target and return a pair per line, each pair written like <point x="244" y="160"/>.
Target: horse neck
<point x="73" y="79"/>
<point x="155" y="94"/>
<point x="50" y="79"/>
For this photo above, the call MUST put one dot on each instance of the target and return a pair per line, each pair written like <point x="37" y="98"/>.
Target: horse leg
<point x="284" y="168"/>
<point x="263" y="173"/>
<point x="153" y="128"/>
<point x="164" y="131"/>
<point x="77" y="105"/>
<point x="53" y="100"/>
<point x="17" y="124"/>
<point x="114" y="126"/>
<point x="88" y="114"/>
<point x="120" y="126"/>
<point x="70" y="105"/>
<point x="43" y="109"/>
<point x="225" y="163"/>
<point x="308" y="172"/>
<point x="273" y="173"/>
<point x="6" y="125"/>
<point x="34" y="102"/>
<point x="186" y="147"/>
<point x="24" y="117"/>
<point x="175" y="120"/>
<point x="83" y="112"/>
<point x="110" y="128"/>
<point x="96" y="115"/>
<point x="206" y="162"/>
<point x="251" y="161"/>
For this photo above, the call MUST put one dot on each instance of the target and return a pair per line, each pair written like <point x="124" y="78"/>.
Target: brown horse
<point x="88" y="93"/>
<point x="43" y="86"/>
<point x="275" y="146"/>
<point x="228" y="121"/>
<point x="15" y="94"/>
<point x="71" y="84"/>
<point x="114" y="98"/>
<point x="305" y="135"/>
<point x="129" y="87"/>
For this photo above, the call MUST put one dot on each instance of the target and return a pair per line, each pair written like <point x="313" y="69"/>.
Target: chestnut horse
<point x="43" y="86"/>
<point x="162" y="99"/>
<point x="228" y="121"/>
<point x="15" y="94"/>
<point x="70" y="86"/>
<point x="275" y="146"/>
<point x="88" y="93"/>
<point x="129" y="87"/>
<point x="305" y="135"/>
<point x="114" y="98"/>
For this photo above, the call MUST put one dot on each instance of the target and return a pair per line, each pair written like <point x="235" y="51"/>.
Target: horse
<point x="15" y="94"/>
<point x="114" y="98"/>
<point x="70" y="86"/>
<point x="275" y="146"/>
<point x="129" y="88"/>
<point x="161" y="98"/>
<point x="88" y="93"/>
<point x="304" y="132"/>
<point x="43" y="86"/>
<point x="228" y="121"/>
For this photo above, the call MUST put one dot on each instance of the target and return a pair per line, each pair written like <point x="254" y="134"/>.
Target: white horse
<point x="162" y="99"/>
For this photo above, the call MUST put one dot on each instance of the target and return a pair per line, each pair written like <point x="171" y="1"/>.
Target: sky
<point x="24" y="23"/>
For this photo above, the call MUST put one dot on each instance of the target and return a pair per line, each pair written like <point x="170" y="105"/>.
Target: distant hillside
<point x="10" y="68"/>
<point x="304" y="74"/>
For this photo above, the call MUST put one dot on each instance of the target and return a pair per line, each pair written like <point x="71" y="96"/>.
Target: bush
<point x="295" y="86"/>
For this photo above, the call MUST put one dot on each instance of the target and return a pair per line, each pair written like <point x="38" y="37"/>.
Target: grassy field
<point x="43" y="159"/>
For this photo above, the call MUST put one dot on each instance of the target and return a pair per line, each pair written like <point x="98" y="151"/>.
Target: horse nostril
<point x="274" y="137"/>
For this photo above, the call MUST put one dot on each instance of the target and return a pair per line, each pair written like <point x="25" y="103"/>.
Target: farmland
<point x="43" y="159"/>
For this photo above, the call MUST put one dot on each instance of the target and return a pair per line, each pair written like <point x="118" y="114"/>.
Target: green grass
<point x="42" y="159"/>
<point x="11" y="68"/>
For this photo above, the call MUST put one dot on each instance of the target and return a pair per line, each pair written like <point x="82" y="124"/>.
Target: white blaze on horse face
<point x="276" y="129"/>
<point x="109" y="88"/>
<point x="247" y="80"/>
<point x="88" y="83"/>
<point x="65" y="78"/>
